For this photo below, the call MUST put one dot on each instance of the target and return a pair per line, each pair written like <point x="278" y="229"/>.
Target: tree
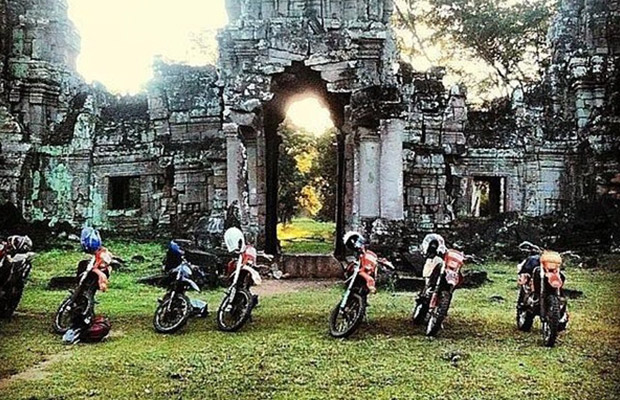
<point x="508" y="36"/>
<point x="324" y="174"/>
<point x="296" y="144"/>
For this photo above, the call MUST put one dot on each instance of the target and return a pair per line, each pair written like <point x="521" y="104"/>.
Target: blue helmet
<point x="90" y="240"/>
<point x="175" y="248"/>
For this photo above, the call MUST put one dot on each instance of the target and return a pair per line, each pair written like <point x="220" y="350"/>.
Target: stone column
<point x="232" y="162"/>
<point x="391" y="169"/>
<point x="369" y="163"/>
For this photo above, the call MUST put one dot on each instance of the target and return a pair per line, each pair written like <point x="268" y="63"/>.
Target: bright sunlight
<point x="309" y="114"/>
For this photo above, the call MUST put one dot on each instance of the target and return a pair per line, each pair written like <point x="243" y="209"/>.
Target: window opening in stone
<point x="307" y="176"/>
<point x="487" y="196"/>
<point x="124" y="193"/>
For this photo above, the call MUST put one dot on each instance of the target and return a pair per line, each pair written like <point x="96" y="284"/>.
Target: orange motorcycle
<point x="541" y="283"/>
<point x="433" y="302"/>
<point x="348" y="314"/>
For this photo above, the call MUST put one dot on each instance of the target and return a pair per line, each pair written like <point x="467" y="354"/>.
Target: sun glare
<point x="120" y="38"/>
<point x="309" y="114"/>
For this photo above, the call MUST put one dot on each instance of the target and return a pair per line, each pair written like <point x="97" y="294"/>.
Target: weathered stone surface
<point x="415" y="158"/>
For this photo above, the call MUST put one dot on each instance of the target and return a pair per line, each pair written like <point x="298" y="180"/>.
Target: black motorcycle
<point x="176" y="308"/>
<point x="541" y="292"/>
<point x="78" y="308"/>
<point x="14" y="271"/>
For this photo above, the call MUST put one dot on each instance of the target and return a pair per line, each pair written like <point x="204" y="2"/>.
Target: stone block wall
<point x="200" y="138"/>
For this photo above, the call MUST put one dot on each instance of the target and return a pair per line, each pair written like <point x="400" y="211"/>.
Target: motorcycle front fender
<point x="554" y="279"/>
<point x="191" y="283"/>
<point x="452" y="278"/>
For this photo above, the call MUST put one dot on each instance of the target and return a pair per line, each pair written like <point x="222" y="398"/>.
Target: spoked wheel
<point x="232" y="314"/>
<point x="551" y="322"/>
<point x="172" y="314"/>
<point x="342" y="323"/>
<point x="525" y="318"/>
<point x="84" y="305"/>
<point x="420" y="311"/>
<point x="440" y="312"/>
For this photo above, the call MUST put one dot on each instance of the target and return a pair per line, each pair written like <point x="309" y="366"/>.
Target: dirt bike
<point x="349" y="313"/>
<point x="540" y="292"/>
<point x="236" y="307"/>
<point x="176" y="308"/>
<point x="14" y="271"/>
<point x="78" y="308"/>
<point x="433" y="302"/>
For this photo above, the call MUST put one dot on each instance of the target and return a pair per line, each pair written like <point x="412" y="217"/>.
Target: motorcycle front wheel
<point x="232" y="314"/>
<point x="172" y="314"/>
<point x="84" y="304"/>
<point x="551" y="322"/>
<point x="342" y="323"/>
<point x="525" y="318"/>
<point x="440" y="312"/>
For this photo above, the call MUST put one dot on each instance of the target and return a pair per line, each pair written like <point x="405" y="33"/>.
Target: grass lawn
<point x="286" y="353"/>
<point x="305" y="235"/>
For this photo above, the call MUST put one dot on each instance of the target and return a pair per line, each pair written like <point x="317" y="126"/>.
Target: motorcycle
<point x="15" y="266"/>
<point x="540" y="283"/>
<point x="236" y="307"/>
<point x="77" y="310"/>
<point x="348" y="314"/>
<point x="433" y="302"/>
<point x="175" y="309"/>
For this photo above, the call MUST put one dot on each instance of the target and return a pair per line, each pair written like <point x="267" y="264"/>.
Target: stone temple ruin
<point x="411" y="156"/>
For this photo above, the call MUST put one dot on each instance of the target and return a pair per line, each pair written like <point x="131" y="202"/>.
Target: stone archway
<point x="347" y="58"/>
<point x="298" y="80"/>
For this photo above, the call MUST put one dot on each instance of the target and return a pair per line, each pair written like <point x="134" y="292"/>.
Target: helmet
<point x="233" y="237"/>
<point x="175" y="248"/>
<point x="90" y="240"/>
<point x="432" y="245"/>
<point x="19" y="244"/>
<point x="353" y="240"/>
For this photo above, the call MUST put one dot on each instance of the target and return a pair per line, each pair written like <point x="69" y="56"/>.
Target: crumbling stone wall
<point x="67" y="145"/>
<point x="411" y="153"/>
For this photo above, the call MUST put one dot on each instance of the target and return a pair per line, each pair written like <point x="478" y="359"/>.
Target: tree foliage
<point x="325" y="174"/>
<point x="508" y="35"/>
<point x="307" y="174"/>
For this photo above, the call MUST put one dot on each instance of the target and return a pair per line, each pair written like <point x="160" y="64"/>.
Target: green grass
<point x="305" y="235"/>
<point x="285" y="353"/>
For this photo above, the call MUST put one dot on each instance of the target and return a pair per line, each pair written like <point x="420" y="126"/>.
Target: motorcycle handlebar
<point x="529" y="246"/>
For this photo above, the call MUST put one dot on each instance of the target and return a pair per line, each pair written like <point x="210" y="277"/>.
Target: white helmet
<point x="353" y="240"/>
<point x="233" y="237"/>
<point x="433" y="242"/>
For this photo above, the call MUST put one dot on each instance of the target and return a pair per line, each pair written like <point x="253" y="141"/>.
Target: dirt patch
<point x="271" y="287"/>
<point x="37" y="372"/>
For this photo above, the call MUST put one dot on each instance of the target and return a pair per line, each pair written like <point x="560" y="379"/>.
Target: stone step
<point x="323" y="266"/>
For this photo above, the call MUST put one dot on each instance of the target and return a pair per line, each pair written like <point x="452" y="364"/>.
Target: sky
<point x="120" y="38"/>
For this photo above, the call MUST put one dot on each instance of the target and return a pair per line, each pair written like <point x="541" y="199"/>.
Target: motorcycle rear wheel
<point x="231" y="319"/>
<point x="551" y="322"/>
<point x="10" y="303"/>
<point x="63" y="319"/>
<point x="525" y="318"/>
<point x="440" y="312"/>
<point x="352" y="316"/>
<point x="171" y="320"/>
